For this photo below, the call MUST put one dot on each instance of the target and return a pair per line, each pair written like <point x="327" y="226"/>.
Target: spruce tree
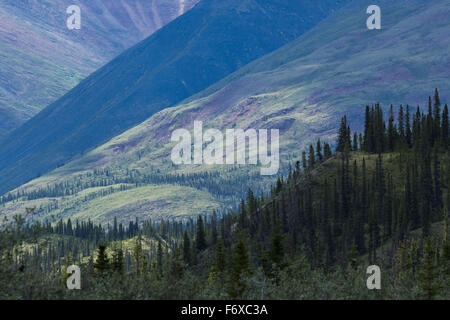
<point x="327" y="151"/>
<point x="243" y="209"/>
<point x="186" y="248"/>
<point x="220" y="258"/>
<point x="379" y="130"/>
<point x="430" y="131"/>
<point x="367" y="147"/>
<point x="319" y="151"/>
<point x="200" y="240"/>
<point x="343" y="136"/>
<point x="276" y="252"/>
<point x="214" y="228"/>
<point x="159" y="260"/>
<point x="437" y="115"/>
<point x="408" y="134"/>
<point x="416" y="132"/>
<point x="239" y="269"/>
<point x="391" y="132"/>
<point x="445" y="127"/>
<point x="311" y="157"/>
<point x="138" y="256"/>
<point x="401" y="122"/>
<point x="355" y="142"/>
<point x="102" y="262"/>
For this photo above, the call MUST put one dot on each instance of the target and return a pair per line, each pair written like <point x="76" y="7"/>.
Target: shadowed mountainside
<point x="194" y="51"/>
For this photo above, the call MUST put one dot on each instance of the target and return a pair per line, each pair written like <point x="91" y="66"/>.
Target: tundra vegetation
<point x="382" y="198"/>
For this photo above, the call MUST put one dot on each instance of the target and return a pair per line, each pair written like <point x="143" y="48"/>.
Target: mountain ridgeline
<point x="199" y="48"/>
<point x="383" y="198"/>
<point x="41" y="59"/>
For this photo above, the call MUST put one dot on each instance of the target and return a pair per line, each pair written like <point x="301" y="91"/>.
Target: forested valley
<point x="380" y="198"/>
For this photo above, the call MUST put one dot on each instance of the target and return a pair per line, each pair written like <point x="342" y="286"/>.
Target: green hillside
<point x="298" y="89"/>
<point x="201" y="47"/>
<point x="382" y="199"/>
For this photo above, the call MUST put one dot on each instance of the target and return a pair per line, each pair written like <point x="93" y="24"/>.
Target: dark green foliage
<point x="319" y="151"/>
<point x="428" y="274"/>
<point x="186" y="248"/>
<point x="159" y="260"/>
<point x="200" y="239"/>
<point x="344" y="137"/>
<point x="355" y="142"/>
<point x="311" y="157"/>
<point x="311" y="237"/>
<point x="219" y="263"/>
<point x="146" y="79"/>
<point x="213" y="228"/>
<point x="240" y="268"/>
<point x="118" y="261"/>
<point x="445" y="127"/>
<point x="276" y="252"/>
<point x="102" y="262"/>
<point x="176" y="268"/>
<point x="327" y="151"/>
<point x="408" y="134"/>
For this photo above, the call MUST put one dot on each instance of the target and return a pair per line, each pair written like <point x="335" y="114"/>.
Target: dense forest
<point x="381" y="198"/>
<point x="227" y="186"/>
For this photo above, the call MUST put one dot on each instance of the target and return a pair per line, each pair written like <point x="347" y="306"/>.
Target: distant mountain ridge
<point x="40" y="59"/>
<point x="194" y="51"/>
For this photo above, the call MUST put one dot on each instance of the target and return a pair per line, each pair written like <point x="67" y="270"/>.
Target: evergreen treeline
<point x="219" y="184"/>
<point x="382" y="199"/>
<point x="226" y="186"/>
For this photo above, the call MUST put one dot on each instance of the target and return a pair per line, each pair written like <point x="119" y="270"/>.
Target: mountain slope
<point x="40" y="59"/>
<point x="302" y="89"/>
<point x="199" y="48"/>
<point x="340" y="66"/>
